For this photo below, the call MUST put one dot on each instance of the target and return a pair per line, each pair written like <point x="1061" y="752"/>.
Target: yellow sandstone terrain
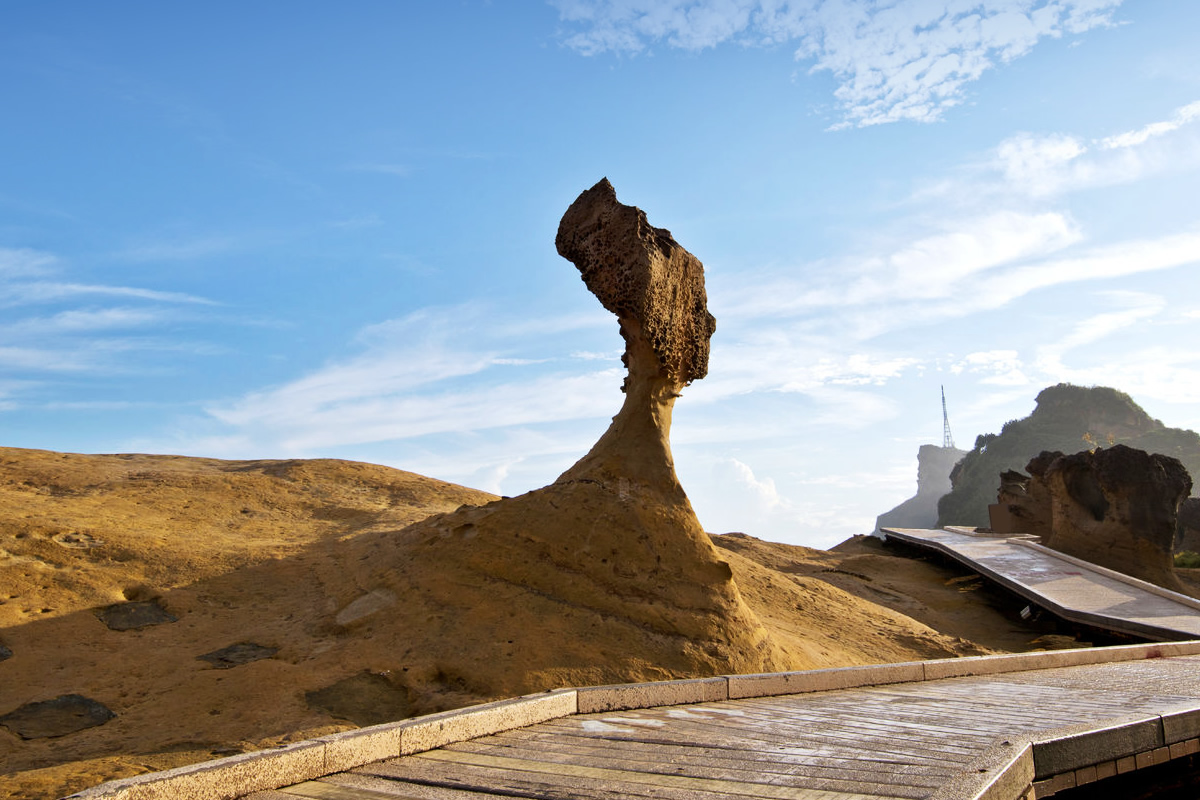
<point x="159" y="610"/>
<point x="273" y="553"/>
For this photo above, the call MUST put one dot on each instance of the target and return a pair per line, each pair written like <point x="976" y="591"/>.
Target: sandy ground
<point x="341" y="611"/>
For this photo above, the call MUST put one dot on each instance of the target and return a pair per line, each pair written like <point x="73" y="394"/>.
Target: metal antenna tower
<point x="947" y="436"/>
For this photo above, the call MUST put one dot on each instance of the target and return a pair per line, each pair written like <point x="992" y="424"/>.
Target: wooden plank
<point x="512" y="783"/>
<point x="637" y="753"/>
<point x="319" y="790"/>
<point x="706" y="765"/>
<point x="731" y="786"/>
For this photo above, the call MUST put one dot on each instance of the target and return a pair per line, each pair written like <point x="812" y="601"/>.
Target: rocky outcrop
<point x="1023" y="504"/>
<point x="1067" y="418"/>
<point x="609" y="561"/>
<point x="1116" y="507"/>
<point x="1187" y="527"/>
<point x="934" y="465"/>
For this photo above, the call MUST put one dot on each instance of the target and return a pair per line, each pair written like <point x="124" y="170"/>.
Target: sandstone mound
<point x="312" y="622"/>
<point x="276" y="601"/>
<point x="613" y="546"/>
<point x="80" y="531"/>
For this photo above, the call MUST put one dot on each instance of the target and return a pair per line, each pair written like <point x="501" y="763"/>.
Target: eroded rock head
<point x="1118" y="507"/>
<point x="641" y="274"/>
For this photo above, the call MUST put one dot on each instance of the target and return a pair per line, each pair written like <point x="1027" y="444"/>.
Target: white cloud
<point x="21" y="262"/>
<point x="764" y="490"/>
<point x="42" y="359"/>
<point x="998" y="367"/>
<point x="946" y="266"/>
<point x="46" y="292"/>
<point x="1051" y="164"/>
<point x="900" y="60"/>
<point x="1183" y="116"/>
<point x="1097" y="327"/>
<point x="81" y="321"/>
<point x="410" y="381"/>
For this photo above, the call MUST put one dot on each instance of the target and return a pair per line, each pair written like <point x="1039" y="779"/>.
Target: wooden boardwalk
<point x="1073" y="589"/>
<point x="907" y="740"/>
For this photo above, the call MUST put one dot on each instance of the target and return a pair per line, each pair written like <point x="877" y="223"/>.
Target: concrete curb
<point x="243" y="774"/>
<point x="227" y="778"/>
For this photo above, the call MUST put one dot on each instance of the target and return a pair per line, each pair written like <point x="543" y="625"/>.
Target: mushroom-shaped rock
<point x="608" y="562"/>
<point x="656" y="289"/>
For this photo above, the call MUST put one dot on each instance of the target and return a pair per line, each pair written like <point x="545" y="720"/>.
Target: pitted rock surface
<point x="641" y="274"/>
<point x="1118" y="507"/>
<point x="1023" y="503"/>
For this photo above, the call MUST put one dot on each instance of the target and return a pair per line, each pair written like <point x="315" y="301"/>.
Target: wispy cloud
<point x="996" y="367"/>
<point x="81" y="321"/>
<point x="395" y="170"/>
<point x="73" y="331"/>
<point x="180" y="249"/>
<point x="23" y="262"/>
<point x="1055" y="163"/>
<point x="945" y="266"/>
<point x="23" y="293"/>
<point x="425" y="374"/>
<point x="904" y="60"/>
<point x="1139" y="307"/>
<point x="1185" y="115"/>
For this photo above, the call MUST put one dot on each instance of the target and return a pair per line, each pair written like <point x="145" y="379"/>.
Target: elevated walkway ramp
<point x="1069" y="587"/>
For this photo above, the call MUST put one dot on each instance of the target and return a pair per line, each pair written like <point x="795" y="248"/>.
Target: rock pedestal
<point x="611" y="552"/>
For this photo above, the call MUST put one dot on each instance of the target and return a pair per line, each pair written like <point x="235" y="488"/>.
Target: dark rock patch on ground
<point x="364" y="699"/>
<point x="58" y="717"/>
<point x="238" y="654"/>
<point x="131" y="616"/>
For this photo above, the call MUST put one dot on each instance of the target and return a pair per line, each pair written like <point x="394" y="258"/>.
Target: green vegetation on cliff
<point x="1067" y="418"/>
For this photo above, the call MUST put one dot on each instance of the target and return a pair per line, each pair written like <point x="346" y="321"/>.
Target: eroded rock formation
<point x="1023" y="504"/>
<point x="1067" y="418"/>
<point x="1187" y="528"/>
<point x="610" y="558"/>
<point x="1117" y="507"/>
<point x="933" y="480"/>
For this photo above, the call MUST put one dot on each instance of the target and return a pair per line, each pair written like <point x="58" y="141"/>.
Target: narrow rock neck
<point x="637" y="445"/>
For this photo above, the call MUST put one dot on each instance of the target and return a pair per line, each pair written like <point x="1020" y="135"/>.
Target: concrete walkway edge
<point x="1003" y="767"/>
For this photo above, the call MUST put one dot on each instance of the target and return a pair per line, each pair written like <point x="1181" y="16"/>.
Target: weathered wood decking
<point x="1071" y="588"/>
<point x="910" y="740"/>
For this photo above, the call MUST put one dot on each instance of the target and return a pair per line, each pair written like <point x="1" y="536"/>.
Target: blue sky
<point x="269" y="230"/>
